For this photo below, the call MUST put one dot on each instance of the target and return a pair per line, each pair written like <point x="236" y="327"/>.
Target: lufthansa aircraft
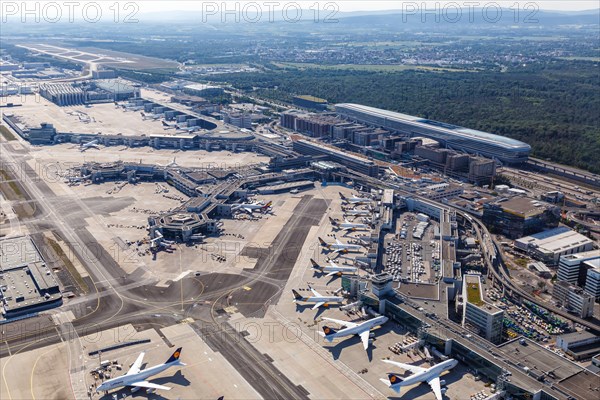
<point x="430" y="375"/>
<point x="136" y="377"/>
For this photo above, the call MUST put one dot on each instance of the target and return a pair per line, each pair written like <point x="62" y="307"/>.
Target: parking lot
<point x="412" y="253"/>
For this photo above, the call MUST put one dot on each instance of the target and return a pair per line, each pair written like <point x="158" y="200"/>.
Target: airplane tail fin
<point x="175" y="357"/>
<point x="328" y="333"/>
<point x="333" y="221"/>
<point x="297" y="295"/>
<point x="269" y="204"/>
<point x="342" y="196"/>
<point x="323" y="243"/>
<point x="315" y="265"/>
<point x="394" y="379"/>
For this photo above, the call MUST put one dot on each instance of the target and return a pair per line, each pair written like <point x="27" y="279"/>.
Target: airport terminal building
<point x="506" y="150"/>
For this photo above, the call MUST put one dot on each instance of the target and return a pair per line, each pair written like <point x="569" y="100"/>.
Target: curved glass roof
<point x="439" y="126"/>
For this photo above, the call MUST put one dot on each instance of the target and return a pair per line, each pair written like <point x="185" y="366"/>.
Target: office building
<point x="238" y="119"/>
<point x="548" y="246"/>
<point x="485" y="317"/>
<point x="519" y="216"/>
<point x="571" y="267"/>
<point x="354" y="162"/>
<point x="574" y="299"/>
<point x="592" y="281"/>
<point x="504" y="149"/>
<point x="104" y="74"/>
<point x="481" y="170"/>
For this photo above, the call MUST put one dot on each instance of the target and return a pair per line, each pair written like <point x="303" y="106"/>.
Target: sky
<point x="370" y="5"/>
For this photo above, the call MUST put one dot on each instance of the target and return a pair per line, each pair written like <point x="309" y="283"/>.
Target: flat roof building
<point x="519" y="216"/>
<point x="485" y="317"/>
<point x="26" y="283"/>
<point x="548" y="246"/>
<point x="504" y="149"/>
<point x="356" y="163"/>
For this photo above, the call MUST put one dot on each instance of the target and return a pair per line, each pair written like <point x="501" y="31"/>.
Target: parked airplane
<point x="333" y="269"/>
<point x="430" y="375"/>
<point x="339" y="247"/>
<point x="317" y="298"/>
<point x="168" y="126"/>
<point x="85" y="146"/>
<point x="357" y="213"/>
<point x="150" y="116"/>
<point x="249" y="208"/>
<point x="362" y="329"/>
<point x="347" y="226"/>
<point x="189" y="128"/>
<point x="136" y="377"/>
<point x="354" y="200"/>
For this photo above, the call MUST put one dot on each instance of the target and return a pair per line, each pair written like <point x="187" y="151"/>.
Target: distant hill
<point x="449" y="17"/>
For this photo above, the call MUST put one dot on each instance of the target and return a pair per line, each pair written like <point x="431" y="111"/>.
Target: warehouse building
<point x="118" y="89"/>
<point x="504" y="149"/>
<point x="550" y="245"/>
<point x="63" y="94"/>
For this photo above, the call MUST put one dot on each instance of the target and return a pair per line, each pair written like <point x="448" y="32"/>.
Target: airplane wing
<point x="345" y="323"/>
<point x="317" y="305"/>
<point x="412" y="368"/>
<point x="364" y="337"/>
<point x="436" y="387"/>
<point x="337" y="241"/>
<point x="148" y="385"/>
<point x="137" y="365"/>
<point x="315" y="293"/>
<point x="331" y="273"/>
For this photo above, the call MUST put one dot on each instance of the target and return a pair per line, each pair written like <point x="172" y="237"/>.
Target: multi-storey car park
<point x="506" y="150"/>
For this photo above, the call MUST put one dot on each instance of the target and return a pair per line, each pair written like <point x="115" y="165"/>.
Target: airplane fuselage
<point x="350" y="225"/>
<point x="425" y="376"/>
<point x="126" y="380"/>
<point x="345" y="247"/>
<point x="355" y="330"/>
<point x="340" y="269"/>
<point x="322" y="299"/>
<point x="359" y="213"/>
